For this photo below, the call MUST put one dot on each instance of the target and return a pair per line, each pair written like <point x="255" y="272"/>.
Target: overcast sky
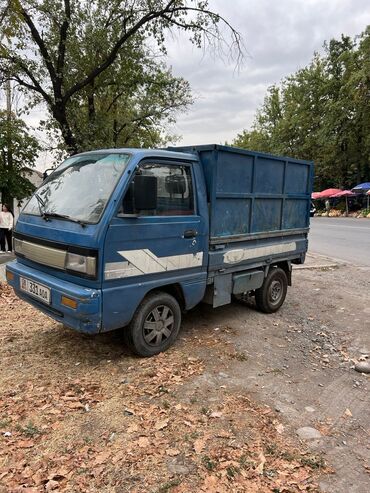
<point x="280" y="36"/>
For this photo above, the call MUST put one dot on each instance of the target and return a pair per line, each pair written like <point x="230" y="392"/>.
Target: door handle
<point x="190" y="233"/>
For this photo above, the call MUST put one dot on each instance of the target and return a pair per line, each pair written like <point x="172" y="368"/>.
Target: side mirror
<point x="46" y="174"/>
<point x="145" y="193"/>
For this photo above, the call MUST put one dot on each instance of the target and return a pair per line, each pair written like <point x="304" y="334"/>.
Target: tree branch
<point x="36" y="85"/>
<point x="23" y="83"/>
<point x="115" y="99"/>
<point x="114" y="51"/>
<point x="150" y="114"/>
<point x="62" y="40"/>
<point x="40" y="43"/>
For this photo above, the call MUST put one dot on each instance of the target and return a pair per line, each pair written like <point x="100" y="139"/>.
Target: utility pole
<point x="8" y="87"/>
<point x="8" y="92"/>
<point x="9" y="121"/>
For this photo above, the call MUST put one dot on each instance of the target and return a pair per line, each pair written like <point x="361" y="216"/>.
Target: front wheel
<point x="155" y="325"/>
<point x="271" y="295"/>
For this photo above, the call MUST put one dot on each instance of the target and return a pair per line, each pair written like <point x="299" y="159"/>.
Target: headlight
<point x="81" y="263"/>
<point x="17" y="245"/>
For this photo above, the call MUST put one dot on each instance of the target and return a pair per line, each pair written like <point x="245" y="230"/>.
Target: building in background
<point x="36" y="178"/>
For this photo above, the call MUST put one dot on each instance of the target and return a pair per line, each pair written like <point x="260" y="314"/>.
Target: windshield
<point x="80" y="187"/>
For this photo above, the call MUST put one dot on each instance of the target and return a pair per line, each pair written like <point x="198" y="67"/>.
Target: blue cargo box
<point x="254" y="195"/>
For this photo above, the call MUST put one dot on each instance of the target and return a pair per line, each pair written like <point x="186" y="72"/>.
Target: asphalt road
<point x="342" y="238"/>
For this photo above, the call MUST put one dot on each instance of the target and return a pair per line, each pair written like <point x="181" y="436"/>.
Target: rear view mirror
<point x="145" y="193"/>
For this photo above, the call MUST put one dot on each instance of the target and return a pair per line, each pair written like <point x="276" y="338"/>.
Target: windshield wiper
<point x="46" y="215"/>
<point x="40" y="203"/>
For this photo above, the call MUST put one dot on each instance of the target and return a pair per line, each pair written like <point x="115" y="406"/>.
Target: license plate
<point x="35" y="289"/>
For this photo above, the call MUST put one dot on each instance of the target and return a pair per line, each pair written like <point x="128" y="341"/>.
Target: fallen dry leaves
<point x="80" y="414"/>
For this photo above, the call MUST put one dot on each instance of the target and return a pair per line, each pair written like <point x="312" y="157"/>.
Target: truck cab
<point x="131" y="238"/>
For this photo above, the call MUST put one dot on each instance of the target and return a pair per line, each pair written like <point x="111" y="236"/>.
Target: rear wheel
<point x="271" y="295"/>
<point x="155" y="325"/>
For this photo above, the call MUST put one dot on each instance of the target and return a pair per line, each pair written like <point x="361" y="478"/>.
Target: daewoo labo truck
<point x="131" y="238"/>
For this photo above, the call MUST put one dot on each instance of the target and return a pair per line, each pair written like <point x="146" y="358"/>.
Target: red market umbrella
<point x="315" y="195"/>
<point x="346" y="194"/>
<point x="329" y="192"/>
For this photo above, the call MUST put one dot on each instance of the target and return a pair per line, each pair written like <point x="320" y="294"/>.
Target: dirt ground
<point x="219" y="412"/>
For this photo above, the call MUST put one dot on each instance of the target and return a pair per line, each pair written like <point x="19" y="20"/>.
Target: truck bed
<point x="254" y="195"/>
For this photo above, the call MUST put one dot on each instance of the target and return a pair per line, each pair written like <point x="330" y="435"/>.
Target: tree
<point x="61" y="50"/>
<point x="254" y="140"/>
<point x="321" y="113"/>
<point x="18" y="151"/>
<point x="131" y="104"/>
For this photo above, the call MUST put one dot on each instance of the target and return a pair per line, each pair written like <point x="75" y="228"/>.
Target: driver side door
<point x="147" y="249"/>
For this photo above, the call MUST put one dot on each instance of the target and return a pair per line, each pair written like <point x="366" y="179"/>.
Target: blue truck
<point x="132" y="238"/>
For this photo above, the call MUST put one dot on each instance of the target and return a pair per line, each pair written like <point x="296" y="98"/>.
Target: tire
<point x="271" y="295"/>
<point x="155" y="325"/>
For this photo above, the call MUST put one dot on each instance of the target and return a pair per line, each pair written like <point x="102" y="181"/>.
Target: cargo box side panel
<point x="231" y="217"/>
<point x="231" y="207"/>
<point x="255" y="193"/>
<point x="266" y="214"/>
<point x="269" y="176"/>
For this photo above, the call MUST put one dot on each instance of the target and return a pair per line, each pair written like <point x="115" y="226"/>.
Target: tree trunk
<point x="59" y="113"/>
<point x="115" y="125"/>
<point x="91" y="103"/>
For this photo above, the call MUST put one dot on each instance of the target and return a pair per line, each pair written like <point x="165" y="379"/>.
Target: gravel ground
<point x="301" y="361"/>
<point x="243" y="402"/>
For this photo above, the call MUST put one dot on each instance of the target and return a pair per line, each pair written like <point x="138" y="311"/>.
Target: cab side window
<point x="175" y="195"/>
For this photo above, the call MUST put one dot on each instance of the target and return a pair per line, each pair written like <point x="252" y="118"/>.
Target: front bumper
<point x="85" y="318"/>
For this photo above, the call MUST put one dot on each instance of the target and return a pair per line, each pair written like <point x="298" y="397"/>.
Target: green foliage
<point x="208" y="463"/>
<point x="365" y="212"/>
<point x="131" y="104"/>
<point x="314" y="462"/>
<point x="18" y="150"/>
<point x="253" y="140"/>
<point x="321" y="113"/>
<point x="96" y="65"/>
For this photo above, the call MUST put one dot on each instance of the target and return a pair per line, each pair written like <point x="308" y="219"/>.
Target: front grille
<point x="41" y="254"/>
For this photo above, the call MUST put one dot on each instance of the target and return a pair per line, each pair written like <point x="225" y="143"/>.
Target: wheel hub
<point x="275" y="291"/>
<point x="158" y="325"/>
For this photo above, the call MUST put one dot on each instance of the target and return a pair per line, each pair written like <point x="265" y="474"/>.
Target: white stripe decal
<point x="140" y="262"/>
<point x="240" y="254"/>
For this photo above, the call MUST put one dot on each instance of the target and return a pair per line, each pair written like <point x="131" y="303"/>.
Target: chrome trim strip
<point x="141" y="262"/>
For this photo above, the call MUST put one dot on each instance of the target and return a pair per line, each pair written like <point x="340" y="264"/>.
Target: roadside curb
<point x="322" y="266"/>
<point x="315" y="261"/>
